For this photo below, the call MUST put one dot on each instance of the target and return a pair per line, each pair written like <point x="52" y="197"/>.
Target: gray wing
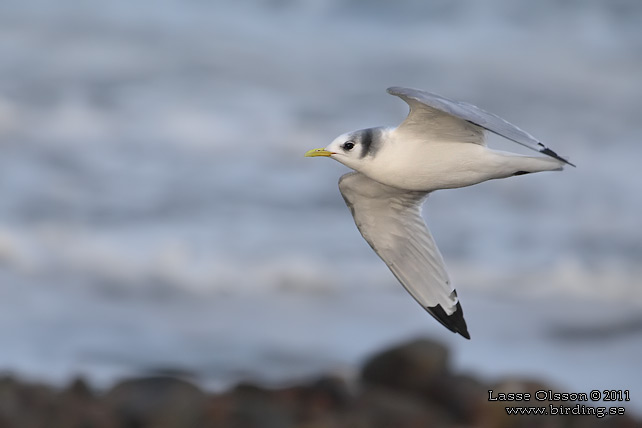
<point x="390" y="220"/>
<point x="424" y="105"/>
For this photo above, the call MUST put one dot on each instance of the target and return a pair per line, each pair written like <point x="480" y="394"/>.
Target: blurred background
<point x="157" y="214"/>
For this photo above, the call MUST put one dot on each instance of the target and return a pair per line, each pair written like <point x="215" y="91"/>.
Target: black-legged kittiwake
<point x="440" y="145"/>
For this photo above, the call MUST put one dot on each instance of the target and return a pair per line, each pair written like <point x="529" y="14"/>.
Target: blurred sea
<point x="157" y="213"/>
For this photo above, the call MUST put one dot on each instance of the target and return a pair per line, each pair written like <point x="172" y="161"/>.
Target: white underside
<point x="427" y="166"/>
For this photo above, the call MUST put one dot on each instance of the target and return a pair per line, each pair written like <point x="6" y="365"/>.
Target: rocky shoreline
<point x="408" y="386"/>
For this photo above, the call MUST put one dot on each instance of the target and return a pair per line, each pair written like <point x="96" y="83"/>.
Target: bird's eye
<point x="348" y="145"/>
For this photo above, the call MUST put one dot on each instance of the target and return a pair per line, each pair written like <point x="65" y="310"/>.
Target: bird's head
<point x="353" y="149"/>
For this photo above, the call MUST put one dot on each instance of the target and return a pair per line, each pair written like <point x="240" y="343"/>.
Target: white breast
<point x="428" y="166"/>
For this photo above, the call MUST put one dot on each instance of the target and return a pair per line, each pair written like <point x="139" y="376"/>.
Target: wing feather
<point x="390" y="220"/>
<point x="431" y="113"/>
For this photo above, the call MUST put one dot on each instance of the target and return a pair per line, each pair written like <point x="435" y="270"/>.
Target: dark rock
<point x="623" y="421"/>
<point x="252" y="406"/>
<point x="410" y="386"/>
<point x="159" y="402"/>
<point x="409" y="367"/>
<point x="80" y="389"/>
<point x="332" y="389"/>
<point x="463" y="397"/>
<point x="382" y="407"/>
<point x="315" y="401"/>
<point x="318" y="403"/>
<point x="78" y="407"/>
<point x="494" y="414"/>
<point x="421" y="368"/>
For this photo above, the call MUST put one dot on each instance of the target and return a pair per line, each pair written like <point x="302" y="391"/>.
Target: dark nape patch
<point x="521" y="173"/>
<point x="366" y="138"/>
<point x="455" y="322"/>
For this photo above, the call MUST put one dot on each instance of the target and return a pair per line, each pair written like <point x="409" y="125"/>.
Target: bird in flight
<point x="440" y="145"/>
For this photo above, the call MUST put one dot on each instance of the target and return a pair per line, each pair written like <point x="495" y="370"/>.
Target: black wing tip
<point x="552" y="154"/>
<point x="454" y="322"/>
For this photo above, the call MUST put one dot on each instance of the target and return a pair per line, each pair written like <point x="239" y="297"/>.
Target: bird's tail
<point x="513" y="164"/>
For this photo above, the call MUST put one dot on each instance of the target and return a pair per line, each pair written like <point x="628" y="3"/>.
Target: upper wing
<point x="390" y="221"/>
<point x="429" y="112"/>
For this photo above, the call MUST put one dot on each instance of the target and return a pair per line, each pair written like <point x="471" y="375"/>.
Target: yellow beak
<point x="317" y="152"/>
